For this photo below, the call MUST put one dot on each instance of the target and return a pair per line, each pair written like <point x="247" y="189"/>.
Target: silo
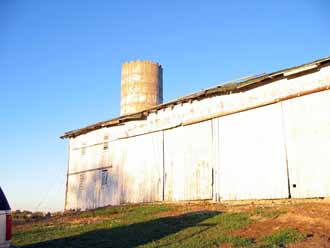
<point x="141" y="86"/>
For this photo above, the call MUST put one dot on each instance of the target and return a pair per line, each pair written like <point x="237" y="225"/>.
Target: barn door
<point x="252" y="161"/>
<point x="307" y="128"/>
<point x="188" y="162"/>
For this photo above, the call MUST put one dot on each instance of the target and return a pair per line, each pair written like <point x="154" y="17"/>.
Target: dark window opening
<point x="105" y="146"/>
<point x="104" y="177"/>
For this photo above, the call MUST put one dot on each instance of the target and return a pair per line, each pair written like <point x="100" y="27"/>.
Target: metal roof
<point x="235" y="86"/>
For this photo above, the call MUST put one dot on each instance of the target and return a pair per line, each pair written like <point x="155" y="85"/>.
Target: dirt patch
<point x="311" y="219"/>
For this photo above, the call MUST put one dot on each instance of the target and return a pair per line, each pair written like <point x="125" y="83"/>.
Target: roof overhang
<point x="240" y="85"/>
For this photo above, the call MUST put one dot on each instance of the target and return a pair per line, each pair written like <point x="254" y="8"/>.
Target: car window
<point x="3" y="201"/>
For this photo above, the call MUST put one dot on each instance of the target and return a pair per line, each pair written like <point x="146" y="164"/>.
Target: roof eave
<point x="218" y="90"/>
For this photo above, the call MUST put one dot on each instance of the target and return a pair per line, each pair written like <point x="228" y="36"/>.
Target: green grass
<point x="146" y="226"/>
<point x="267" y="212"/>
<point x="283" y="237"/>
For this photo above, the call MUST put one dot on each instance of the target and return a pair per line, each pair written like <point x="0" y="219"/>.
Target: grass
<point x="147" y="226"/>
<point x="267" y="212"/>
<point x="284" y="237"/>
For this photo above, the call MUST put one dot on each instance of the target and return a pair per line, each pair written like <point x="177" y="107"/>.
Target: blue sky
<point x="60" y="67"/>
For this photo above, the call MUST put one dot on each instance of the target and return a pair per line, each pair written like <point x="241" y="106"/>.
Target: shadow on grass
<point x="131" y="235"/>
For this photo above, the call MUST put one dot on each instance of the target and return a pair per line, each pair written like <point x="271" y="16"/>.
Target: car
<point x="5" y="221"/>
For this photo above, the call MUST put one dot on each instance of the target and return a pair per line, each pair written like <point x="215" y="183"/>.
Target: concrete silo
<point x="141" y="86"/>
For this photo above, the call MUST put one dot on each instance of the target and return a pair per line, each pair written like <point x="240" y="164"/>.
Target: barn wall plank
<point x="307" y="122"/>
<point x="188" y="162"/>
<point x="252" y="155"/>
<point x="142" y="169"/>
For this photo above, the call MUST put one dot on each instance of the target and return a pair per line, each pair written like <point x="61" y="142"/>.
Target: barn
<point x="260" y="137"/>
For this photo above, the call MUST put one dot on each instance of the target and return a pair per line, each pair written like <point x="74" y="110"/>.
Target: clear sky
<point x="60" y="67"/>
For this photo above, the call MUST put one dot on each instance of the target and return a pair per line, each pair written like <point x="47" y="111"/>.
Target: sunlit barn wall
<point x="188" y="162"/>
<point x="85" y="189"/>
<point x="236" y="152"/>
<point x="252" y="159"/>
<point x="307" y="128"/>
<point x="134" y="169"/>
<point x="141" y="168"/>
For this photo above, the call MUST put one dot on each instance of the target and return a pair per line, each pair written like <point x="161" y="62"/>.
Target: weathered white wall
<point x="307" y="122"/>
<point x="142" y="168"/>
<point x="243" y="155"/>
<point x="91" y="193"/>
<point x="252" y="161"/>
<point x="94" y="157"/>
<point x="216" y="159"/>
<point x="188" y="162"/>
<point x="135" y="173"/>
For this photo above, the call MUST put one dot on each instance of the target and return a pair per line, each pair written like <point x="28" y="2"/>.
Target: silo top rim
<point x="141" y="61"/>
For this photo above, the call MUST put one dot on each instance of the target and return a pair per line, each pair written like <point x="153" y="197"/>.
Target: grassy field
<point x="178" y="225"/>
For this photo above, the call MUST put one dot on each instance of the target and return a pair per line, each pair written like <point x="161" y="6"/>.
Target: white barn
<point x="264" y="137"/>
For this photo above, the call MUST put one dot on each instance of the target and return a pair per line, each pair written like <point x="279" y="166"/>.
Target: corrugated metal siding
<point x="188" y="162"/>
<point x="252" y="156"/>
<point x="307" y="122"/>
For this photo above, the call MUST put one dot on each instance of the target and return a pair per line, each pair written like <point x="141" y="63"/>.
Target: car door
<point x="5" y="221"/>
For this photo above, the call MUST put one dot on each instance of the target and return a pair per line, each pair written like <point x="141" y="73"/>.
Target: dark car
<point x="5" y="221"/>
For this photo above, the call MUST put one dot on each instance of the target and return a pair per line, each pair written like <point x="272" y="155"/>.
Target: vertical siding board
<point x="94" y="195"/>
<point x="188" y="162"/>
<point x="252" y="155"/>
<point x="172" y="146"/>
<point x="216" y="163"/>
<point x="71" y="202"/>
<point x="142" y="168"/>
<point x="307" y="130"/>
<point x="109" y="193"/>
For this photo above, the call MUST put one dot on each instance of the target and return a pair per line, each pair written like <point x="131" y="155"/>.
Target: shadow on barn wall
<point x="132" y="235"/>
